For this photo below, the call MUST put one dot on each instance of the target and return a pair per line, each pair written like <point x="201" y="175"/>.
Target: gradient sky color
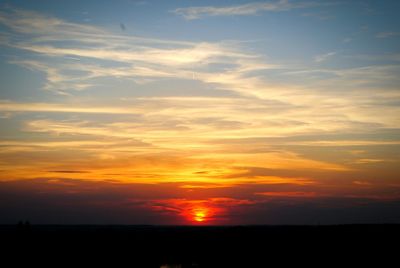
<point x="200" y="112"/>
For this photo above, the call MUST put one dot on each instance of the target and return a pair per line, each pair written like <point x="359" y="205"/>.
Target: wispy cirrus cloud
<point x="75" y="55"/>
<point x="387" y="34"/>
<point x="324" y="57"/>
<point x="62" y="108"/>
<point x="191" y="13"/>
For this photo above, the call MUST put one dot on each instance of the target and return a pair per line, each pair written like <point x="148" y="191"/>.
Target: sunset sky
<point x="200" y="112"/>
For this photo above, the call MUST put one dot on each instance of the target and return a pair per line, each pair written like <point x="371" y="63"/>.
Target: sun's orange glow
<point x="200" y="214"/>
<point x="210" y="211"/>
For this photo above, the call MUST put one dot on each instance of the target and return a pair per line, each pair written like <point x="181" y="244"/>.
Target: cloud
<point x="46" y="201"/>
<point x="387" y="34"/>
<point x="231" y="124"/>
<point x="191" y="13"/>
<point x="289" y="194"/>
<point x="8" y="106"/>
<point x="347" y="40"/>
<point x="30" y="22"/>
<point x="68" y="171"/>
<point x="88" y="53"/>
<point x="324" y="57"/>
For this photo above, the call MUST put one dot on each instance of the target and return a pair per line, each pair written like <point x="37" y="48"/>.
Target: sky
<point x="200" y="112"/>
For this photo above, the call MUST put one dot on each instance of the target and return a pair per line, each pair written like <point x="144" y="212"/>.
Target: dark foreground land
<point x="184" y="246"/>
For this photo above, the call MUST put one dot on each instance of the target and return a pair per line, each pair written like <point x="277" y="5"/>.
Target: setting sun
<point x="200" y="214"/>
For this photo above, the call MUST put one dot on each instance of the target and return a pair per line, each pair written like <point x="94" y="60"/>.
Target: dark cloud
<point x="322" y="211"/>
<point x="68" y="171"/>
<point x="70" y="201"/>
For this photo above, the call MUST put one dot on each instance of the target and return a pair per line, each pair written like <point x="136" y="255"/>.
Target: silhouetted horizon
<point x="202" y="246"/>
